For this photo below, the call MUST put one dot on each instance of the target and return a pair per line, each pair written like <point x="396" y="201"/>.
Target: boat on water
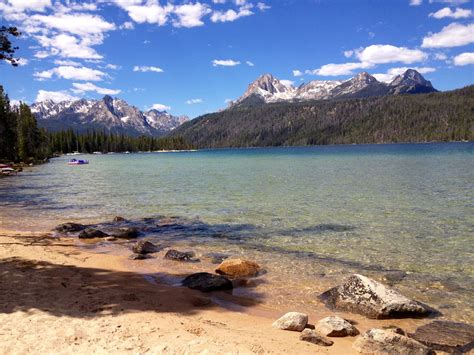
<point x="7" y="170"/>
<point x="74" y="153"/>
<point x="77" y="162"/>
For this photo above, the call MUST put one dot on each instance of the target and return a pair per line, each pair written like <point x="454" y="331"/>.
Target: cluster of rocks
<point x="359" y="294"/>
<point x="333" y="326"/>
<point x="374" y="300"/>
<point x="87" y="232"/>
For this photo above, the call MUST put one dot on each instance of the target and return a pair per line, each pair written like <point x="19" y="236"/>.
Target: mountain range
<point x="117" y="116"/>
<point x="268" y="89"/>
<point x="110" y="114"/>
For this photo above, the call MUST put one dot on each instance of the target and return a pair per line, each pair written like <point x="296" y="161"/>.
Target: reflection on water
<point x="305" y="211"/>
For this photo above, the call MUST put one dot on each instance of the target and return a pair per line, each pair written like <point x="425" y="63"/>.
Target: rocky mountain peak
<point x="365" y="77"/>
<point x="267" y="83"/>
<point x="410" y="77"/>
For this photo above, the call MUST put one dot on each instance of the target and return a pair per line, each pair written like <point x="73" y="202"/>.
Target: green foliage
<point x="447" y="116"/>
<point x="99" y="141"/>
<point x="6" y="49"/>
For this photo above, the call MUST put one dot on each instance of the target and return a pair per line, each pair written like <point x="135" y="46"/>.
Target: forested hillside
<point x="446" y="116"/>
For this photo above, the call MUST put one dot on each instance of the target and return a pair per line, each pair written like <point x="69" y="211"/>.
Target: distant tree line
<point x="101" y="141"/>
<point x="22" y="141"/>
<point x="443" y="116"/>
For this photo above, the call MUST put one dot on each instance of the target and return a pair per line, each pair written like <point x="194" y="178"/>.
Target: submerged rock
<point x="372" y="299"/>
<point x="335" y="327"/>
<point x="238" y="268"/>
<point x="138" y="257"/>
<point x="69" y="227"/>
<point x="176" y="255"/>
<point x="294" y="321"/>
<point x="144" y="247"/>
<point x="215" y="258"/>
<point x="446" y="336"/>
<point x="126" y="233"/>
<point x="206" y="282"/>
<point x="91" y="233"/>
<point x="315" y="338"/>
<point x="380" y="341"/>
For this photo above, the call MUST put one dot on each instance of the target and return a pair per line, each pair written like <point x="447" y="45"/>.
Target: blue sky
<point x="192" y="56"/>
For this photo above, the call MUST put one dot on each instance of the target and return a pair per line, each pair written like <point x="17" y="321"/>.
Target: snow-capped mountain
<point x="268" y="89"/>
<point x="112" y="114"/>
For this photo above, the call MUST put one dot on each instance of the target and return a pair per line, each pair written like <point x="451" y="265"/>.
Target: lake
<point x="306" y="211"/>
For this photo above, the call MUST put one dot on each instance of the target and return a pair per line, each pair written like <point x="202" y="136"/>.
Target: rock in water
<point x="69" y="227"/>
<point x="176" y="255"/>
<point x="315" y="338"/>
<point x="379" y="341"/>
<point x="119" y="219"/>
<point x="144" y="247"/>
<point x="206" y="282"/>
<point x="446" y="336"/>
<point x="90" y="233"/>
<point x="335" y="327"/>
<point x="215" y="258"/>
<point x="292" y="321"/>
<point x="138" y="257"/>
<point x="238" y="268"/>
<point x="126" y="233"/>
<point x="372" y="299"/>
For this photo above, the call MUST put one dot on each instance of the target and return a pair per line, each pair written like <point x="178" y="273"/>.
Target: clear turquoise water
<point x="403" y="207"/>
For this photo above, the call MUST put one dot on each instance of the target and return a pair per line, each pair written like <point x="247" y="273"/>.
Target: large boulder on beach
<point x="125" y="233"/>
<point x="295" y="321"/>
<point x="139" y="257"/>
<point x="69" y="227"/>
<point x="206" y="282"/>
<point x="313" y="337"/>
<point x="91" y="233"/>
<point x="238" y="268"/>
<point x="176" y="255"/>
<point x="144" y="247"/>
<point x="335" y="326"/>
<point x="389" y="342"/>
<point x="372" y="299"/>
<point x="450" y="337"/>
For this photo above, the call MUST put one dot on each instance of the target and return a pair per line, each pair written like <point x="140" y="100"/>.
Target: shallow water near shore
<point x="311" y="215"/>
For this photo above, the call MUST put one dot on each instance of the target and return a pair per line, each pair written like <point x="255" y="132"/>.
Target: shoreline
<point x="110" y="289"/>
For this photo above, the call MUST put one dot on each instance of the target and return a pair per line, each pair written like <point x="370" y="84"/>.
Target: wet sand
<point x="56" y="297"/>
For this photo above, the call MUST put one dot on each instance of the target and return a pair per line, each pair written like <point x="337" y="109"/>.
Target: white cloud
<point x="145" y="69"/>
<point x="440" y="56"/>
<point x="55" y="96"/>
<point x="80" y="88"/>
<point x="67" y="46"/>
<point x="161" y="107"/>
<point x="67" y="62"/>
<point x="391" y="73"/>
<point x="453" y="35"/>
<point x="262" y="6"/>
<point x="249" y="63"/>
<point x="225" y="62"/>
<point x="416" y="2"/>
<point x="297" y="73"/>
<point x="25" y="5"/>
<point x="339" y="69"/>
<point x="348" y="54"/>
<point x="127" y="26"/>
<point x="22" y="62"/>
<point x="464" y="59"/>
<point x="218" y="1"/>
<point x="447" y="12"/>
<point x="385" y="53"/>
<point x="78" y="24"/>
<point x="112" y="66"/>
<point x="71" y="73"/>
<point x="194" y="101"/>
<point x="190" y="15"/>
<point x="231" y="15"/>
<point x="152" y="13"/>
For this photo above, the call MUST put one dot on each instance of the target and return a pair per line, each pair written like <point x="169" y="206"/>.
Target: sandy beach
<point x="58" y="298"/>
